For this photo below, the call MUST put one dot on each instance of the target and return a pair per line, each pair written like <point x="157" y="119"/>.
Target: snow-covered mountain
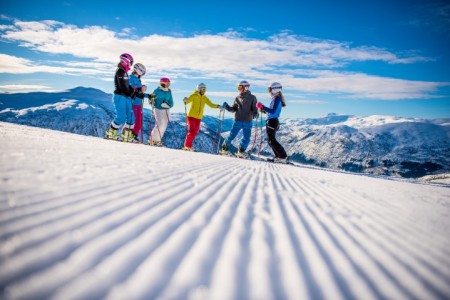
<point x="375" y="144"/>
<point x="87" y="218"/>
<point x="89" y="111"/>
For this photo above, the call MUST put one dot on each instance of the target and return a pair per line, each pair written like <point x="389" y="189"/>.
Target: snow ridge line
<point x="66" y="247"/>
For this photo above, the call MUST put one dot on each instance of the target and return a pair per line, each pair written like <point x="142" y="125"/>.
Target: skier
<point x="161" y="100"/>
<point x="272" y="123"/>
<point x="122" y="98"/>
<point x="245" y="110"/>
<point x="195" y="114"/>
<point x="137" y="101"/>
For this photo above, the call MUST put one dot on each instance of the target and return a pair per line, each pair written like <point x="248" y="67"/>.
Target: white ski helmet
<point x="139" y="69"/>
<point x="243" y="86"/>
<point x="275" y="88"/>
<point x="201" y="86"/>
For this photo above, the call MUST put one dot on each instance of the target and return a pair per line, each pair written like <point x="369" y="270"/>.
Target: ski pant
<point x="193" y="128"/>
<point x="246" y="131"/>
<point x="137" y="110"/>
<point x="272" y="126"/>
<point x="124" y="111"/>
<point x="162" y="119"/>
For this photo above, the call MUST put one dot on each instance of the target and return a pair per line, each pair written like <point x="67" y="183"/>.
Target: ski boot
<point x="155" y="143"/>
<point x="241" y="153"/>
<point x="129" y="137"/>
<point x="225" y="151"/>
<point x="188" y="149"/>
<point x="126" y="134"/>
<point x="280" y="160"/>
<point x="111" y="134"/>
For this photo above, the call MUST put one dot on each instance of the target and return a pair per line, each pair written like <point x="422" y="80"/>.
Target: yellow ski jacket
<point x="198" y="102"/>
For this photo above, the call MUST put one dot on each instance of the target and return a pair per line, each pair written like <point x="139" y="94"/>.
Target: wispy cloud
<point x="17" y="65"/>
<point x="13" y="88"/>
<point x="302" y="63"/>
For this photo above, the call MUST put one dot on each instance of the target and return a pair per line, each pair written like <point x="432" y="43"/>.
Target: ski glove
<point x="259" y="105"/>
<point x="185" y="99"/>
<point x="151" y="99"/>
<point x="226" y="106"/>
<point x="165" y="105"/>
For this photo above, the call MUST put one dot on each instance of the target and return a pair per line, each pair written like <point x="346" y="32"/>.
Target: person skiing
<point x="245" y="110"/>
<point x="139" y="92"/>
<point x="122" y="98"/>
<point x="161" y="100"/>
<point x="272" y="123"/>
<point x="197" y="100"/>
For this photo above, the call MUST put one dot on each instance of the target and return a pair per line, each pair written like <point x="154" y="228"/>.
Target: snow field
<point x="82" y="217"/>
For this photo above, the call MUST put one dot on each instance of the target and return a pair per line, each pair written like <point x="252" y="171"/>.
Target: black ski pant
<point x="272" y="126"/>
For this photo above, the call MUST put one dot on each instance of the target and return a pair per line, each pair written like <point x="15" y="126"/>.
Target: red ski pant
<point x="137" y="110"/>
<point x="194" y="127"/>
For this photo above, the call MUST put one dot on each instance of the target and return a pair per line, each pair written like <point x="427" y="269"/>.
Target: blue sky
<point x="356" y="57"/>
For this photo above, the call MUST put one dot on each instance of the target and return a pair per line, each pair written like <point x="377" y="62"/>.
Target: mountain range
<point x="384" y="145"/>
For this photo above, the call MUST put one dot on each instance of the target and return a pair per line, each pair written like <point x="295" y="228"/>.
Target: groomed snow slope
<point x="86" y="218"/>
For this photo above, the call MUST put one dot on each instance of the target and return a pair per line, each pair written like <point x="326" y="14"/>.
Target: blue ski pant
<point x="246" y="131"/>
<point x="124" y="110"/>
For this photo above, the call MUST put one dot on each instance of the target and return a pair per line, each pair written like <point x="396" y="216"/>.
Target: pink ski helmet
<point x="164" y="82"/>
<point x="126" y="60"/>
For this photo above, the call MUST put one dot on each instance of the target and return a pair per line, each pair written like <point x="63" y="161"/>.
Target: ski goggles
<point x="274" y="90"/>
<point x="241" y="88"/>
<point x="203" y="89"/>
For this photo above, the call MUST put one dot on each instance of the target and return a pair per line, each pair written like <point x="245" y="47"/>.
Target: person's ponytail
<point x="283" y="102"/>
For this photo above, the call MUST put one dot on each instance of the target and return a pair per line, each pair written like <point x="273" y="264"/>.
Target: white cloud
<point x="301" y="63"/>
<point x="363" y="86"/>
<point x="25" y="88"/>
<point x="17" y="65"/>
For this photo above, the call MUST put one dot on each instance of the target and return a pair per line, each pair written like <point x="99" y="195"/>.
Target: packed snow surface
<point x="87" y="218"/>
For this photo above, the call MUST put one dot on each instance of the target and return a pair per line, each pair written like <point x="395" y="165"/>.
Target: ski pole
<point x="150" y="135"/>
<point x="186" y="126"/>
<point x="142" y="122"/>
<point x="217" y="133"/>
<point x="220" y="130"/>
<point x="185" y="116"/>
<point x="254" y="137"/>
<point x="260" y="137"/>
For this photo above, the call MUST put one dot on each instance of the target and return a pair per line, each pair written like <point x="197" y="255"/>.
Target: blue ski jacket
<point x="135" y="85"/>
<point x="161" y="97"/>
<point x="274" y="110"/>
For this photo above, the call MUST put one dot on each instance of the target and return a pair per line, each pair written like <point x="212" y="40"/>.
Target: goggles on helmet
<point x="274" y="90"/>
